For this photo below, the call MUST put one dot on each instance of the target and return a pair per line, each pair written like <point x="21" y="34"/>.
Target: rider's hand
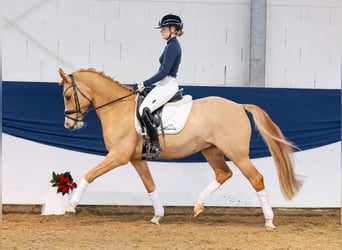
<point x="140" y="87"/>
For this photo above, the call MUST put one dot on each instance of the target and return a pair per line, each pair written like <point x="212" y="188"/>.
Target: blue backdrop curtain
<point x="308" y="117"/>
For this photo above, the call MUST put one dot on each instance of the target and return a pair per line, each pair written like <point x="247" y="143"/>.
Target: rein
<point x="77" y="103"/>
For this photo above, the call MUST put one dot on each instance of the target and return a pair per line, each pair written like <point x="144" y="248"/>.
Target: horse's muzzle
<point x="73" y="124"/>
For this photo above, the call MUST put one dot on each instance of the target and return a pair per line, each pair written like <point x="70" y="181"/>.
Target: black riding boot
<point x="151" y="129"/>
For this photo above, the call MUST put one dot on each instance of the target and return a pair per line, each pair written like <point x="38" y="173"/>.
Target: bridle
<point x="80" y="115"/>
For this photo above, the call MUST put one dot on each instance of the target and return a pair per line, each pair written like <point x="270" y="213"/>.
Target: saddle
<point x="157" y="113"/>
<point x="156" y="116"/>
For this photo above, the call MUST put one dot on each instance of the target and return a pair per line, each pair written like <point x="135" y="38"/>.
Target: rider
<point x="164" y="81"/>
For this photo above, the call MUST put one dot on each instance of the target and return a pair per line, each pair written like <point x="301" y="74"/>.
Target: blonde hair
<point x="179" y="32"/>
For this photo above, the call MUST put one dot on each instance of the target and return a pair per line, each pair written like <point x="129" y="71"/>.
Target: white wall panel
<point x="15" y="41"/>
<point x="190" y="70"/>
<point x="215" y="42"/>
<point x="73" y="33"/>
<point x="114" y="32"/>
<point x="49" y="71"/>
<point x="303" y="44"/>
<point x="111" y="10"/>
<point x="303" y="39"/>
<point x="73" y="10"/>
<point x="97" y="52"/>
<point x="159" y="8"/>
<point x="30" y="71"/>
<point x="77" y="54"/>
<point x="208" y="73"/>
<point x="13" y="10"/>
<point x="112" y="53"/>
<point x="95" y="10"/>
<point x="132" y="13"/>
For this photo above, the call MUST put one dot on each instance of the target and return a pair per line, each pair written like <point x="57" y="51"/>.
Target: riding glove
<point x="140" y="87"/>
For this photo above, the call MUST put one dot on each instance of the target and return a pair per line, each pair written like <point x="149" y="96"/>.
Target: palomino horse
<point x="216" y="126"/>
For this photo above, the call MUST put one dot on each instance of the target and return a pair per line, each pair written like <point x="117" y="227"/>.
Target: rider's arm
<point x="169" y="57"/>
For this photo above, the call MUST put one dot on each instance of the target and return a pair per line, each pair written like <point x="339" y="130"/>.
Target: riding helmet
<point x="170" y="20"/>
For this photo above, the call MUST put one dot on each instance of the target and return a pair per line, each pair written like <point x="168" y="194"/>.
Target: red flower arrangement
<point x="63" y="182"/>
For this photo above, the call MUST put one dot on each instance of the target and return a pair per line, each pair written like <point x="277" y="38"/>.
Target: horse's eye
<point x="68" y="97"/>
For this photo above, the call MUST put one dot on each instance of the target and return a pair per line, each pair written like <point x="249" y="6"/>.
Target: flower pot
<point x="54" y="203"/>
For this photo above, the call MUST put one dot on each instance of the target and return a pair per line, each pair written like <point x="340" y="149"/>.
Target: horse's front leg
<point x="111" y="161"/>
<point x="146" y="177"/>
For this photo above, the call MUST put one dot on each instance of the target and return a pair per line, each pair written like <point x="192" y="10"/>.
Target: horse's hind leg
<point x="215" y="158"/>
<point x="257" y="180"/>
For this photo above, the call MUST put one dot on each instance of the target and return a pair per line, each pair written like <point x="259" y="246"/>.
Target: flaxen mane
<point x="101" y="73"/>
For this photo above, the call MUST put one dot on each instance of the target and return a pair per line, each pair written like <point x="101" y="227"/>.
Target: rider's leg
<point x="152" y="132"/>
<point x="158" y="96"/>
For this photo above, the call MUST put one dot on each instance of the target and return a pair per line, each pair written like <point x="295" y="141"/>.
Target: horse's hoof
<point x="69" y="214"/>
<point x="198" y="209"/>
<point x="269" y="225"/>
<point x="70" y="211"/>
<point x="155" y="220"/>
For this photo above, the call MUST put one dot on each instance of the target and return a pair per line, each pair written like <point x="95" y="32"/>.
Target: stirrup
<point x="153" y="150"/>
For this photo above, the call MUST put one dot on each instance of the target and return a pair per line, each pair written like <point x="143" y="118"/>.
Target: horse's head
<point x="76" y="101"/>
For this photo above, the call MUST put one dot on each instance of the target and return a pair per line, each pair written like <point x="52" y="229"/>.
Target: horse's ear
<point x="64" y="76"/>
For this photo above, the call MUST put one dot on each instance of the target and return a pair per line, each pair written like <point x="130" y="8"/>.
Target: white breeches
<point x="160" y="94"/>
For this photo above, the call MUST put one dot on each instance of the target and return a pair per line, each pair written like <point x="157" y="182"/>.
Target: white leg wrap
<point x="265" y="205"/>
<point x="81" y="188"/>
<point x="212" y="187"/>
<point x="157" y="204"/>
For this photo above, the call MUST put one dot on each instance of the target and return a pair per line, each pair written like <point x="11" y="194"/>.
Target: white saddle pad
<point x="174" y="116"/>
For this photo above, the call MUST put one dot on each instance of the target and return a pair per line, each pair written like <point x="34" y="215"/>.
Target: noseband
<point x="77" y="110"/>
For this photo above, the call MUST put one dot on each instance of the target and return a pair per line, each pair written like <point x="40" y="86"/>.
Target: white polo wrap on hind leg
<point x="212" y="187"/>
<point x="265" y="205"/>
<point x="81" y="188"/>
<point x="157" y="204"/>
